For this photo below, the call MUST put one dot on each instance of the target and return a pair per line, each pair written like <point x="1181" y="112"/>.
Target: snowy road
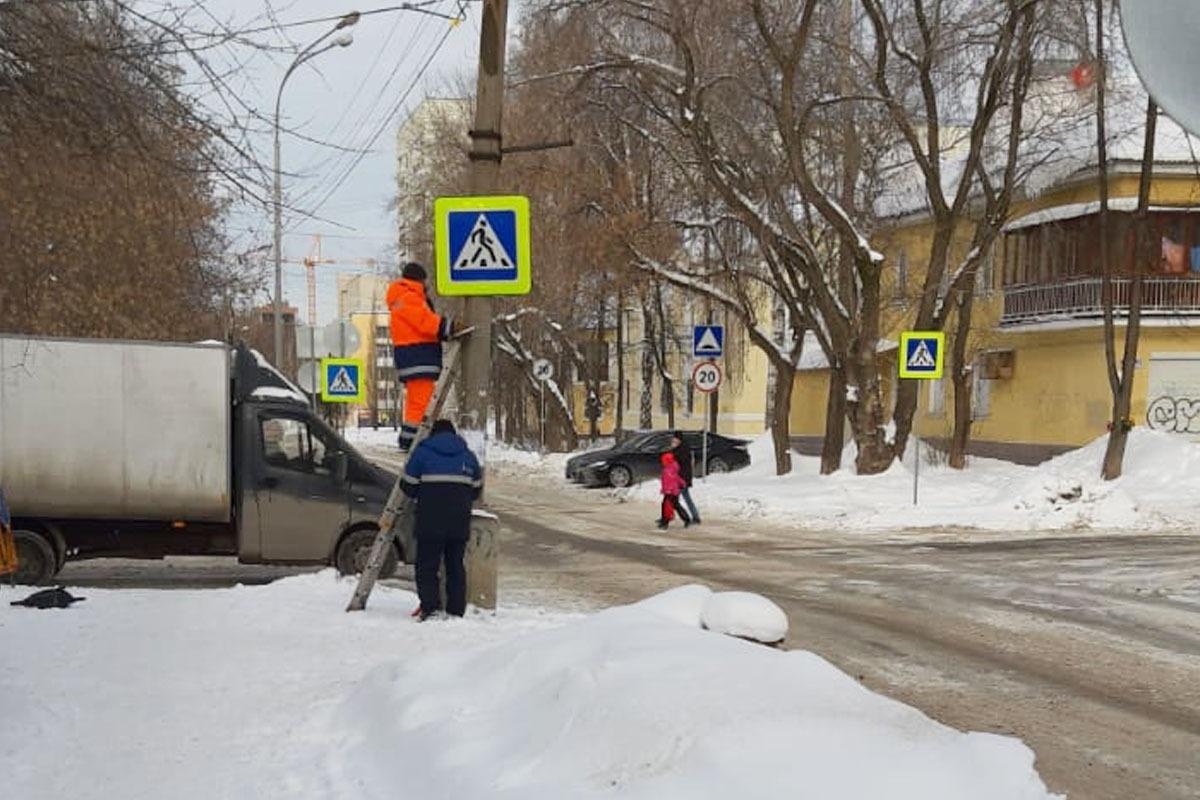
<point x="1085" y="646"/>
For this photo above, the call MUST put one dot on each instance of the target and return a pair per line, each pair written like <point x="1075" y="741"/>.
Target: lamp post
<point x="308" y="53"/>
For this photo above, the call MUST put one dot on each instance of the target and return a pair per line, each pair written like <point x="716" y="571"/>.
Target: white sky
<point x="344" y="96"/>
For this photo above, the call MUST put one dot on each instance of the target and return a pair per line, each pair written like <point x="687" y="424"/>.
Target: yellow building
<point x="1040" y="383"/>
<point x="384" y="397"/>
<point x="740" y="404"/>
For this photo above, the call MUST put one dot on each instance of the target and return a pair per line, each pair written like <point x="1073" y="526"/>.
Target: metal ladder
<point x="397" y="502"/>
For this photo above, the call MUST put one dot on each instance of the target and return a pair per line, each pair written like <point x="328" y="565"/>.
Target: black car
<point x="638" y="459"/>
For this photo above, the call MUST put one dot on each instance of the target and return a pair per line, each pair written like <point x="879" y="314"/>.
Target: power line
<point x="388" y="119"/>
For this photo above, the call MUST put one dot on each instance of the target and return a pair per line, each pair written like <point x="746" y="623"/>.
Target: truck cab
<point x="303" y="494"/>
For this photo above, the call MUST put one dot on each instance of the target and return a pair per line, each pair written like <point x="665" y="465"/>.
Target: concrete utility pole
<point x="485" y="156"/>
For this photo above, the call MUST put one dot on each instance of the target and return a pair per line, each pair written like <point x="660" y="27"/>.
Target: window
<point x="288" y="442"/>
<point x="981" y="394"/>
<point x="937" y="397"/>
<point x="595" y="354"/>
<point x="901" y="273"/>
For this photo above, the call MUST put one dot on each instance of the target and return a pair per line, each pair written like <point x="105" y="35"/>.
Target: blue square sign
<point x="482" y="245"/>
<point x="922" y="354"/>
<point x="708" y="341"/>
<point x="342" y="381"/>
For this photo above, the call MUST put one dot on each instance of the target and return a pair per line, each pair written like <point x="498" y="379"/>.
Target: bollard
<point x="483" y="560"/>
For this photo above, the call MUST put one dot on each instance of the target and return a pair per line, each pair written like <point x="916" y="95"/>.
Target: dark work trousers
<point x="431" y="552"/>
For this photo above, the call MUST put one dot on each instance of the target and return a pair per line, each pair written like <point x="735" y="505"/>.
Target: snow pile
<point x="1160" y="488"/>
<point x="628" y="704"/>
<point x="273" y="692"/>
<point x="745" y="615"/>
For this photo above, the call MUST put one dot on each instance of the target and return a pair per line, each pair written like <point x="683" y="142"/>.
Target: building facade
<point x="1039" y="377"/>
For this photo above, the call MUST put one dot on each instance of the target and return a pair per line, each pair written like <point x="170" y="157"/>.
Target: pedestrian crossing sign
<point x="482" y="245"/>
<point x="708" y="341"/>
<point x="342" y="380"/>
<point x="922" y="354"/>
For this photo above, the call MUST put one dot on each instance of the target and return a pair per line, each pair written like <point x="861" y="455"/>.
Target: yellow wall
<point x="742" y="399"/>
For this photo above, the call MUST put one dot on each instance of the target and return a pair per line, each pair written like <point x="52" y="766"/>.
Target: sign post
<point x="543" y="370"/>
<point x="922" y="357"/>
<point x="706" y="377"/>
<point x="708" y="342"/>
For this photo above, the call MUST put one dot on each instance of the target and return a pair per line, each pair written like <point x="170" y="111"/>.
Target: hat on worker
<point x="414" y="271"/>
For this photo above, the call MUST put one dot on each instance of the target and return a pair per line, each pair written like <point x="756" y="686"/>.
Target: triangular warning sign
<point x="921" y="358"/>
<point x="483" y="249"/>
<point x="708" y="344"/>
<point x="343" y="383"/>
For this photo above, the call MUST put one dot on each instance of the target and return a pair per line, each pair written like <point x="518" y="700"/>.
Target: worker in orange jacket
<point x="417" y="335"/>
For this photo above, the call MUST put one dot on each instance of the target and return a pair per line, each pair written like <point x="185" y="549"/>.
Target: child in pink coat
<point x="672" y="484"/>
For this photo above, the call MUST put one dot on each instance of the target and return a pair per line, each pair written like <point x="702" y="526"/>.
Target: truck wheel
<point x="354" y="551"/>
<point x="37" y="562"/>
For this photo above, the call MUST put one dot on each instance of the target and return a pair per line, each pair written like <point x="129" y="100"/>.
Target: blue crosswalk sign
<point x="708" y="341"/>
<point x="922" y="354"/>
<point x="342" y="380"/>
<point x="482" y="245"/>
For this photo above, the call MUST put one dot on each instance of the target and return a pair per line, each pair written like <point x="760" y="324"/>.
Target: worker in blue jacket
<point x="444" y="479"/>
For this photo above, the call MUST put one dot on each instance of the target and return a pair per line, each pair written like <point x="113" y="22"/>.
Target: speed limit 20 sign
<point x="706" y="377"/>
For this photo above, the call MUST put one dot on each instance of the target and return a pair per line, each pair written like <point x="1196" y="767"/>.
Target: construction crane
<point x="310" y="262"/>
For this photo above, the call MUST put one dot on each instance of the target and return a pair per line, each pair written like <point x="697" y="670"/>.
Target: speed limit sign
<point x="706" y="377"/>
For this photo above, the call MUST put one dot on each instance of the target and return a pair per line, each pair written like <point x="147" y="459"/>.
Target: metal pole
<point x="704" y="436"/>
<point x="277" y="202"/>
<point x="485" y="157"/>
<point x="349" y="20"/>
<point x="312" y="354"/>
<point x="543" y="416"/>
<point x="916" y="466"/>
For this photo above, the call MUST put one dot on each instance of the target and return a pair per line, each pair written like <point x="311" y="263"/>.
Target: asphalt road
<point x="1085" y="646"/>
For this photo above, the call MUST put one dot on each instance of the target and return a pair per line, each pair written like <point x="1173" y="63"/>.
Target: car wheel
<point x="354" y="551"/>
<point x="717" y="466"/>
<point x="620" y="476"/>
<point x="37" y="563"/>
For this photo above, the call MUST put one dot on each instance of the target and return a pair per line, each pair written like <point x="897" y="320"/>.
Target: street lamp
<point x="308" y="53"/>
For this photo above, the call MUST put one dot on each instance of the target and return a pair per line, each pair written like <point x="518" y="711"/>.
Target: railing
<point x="1083" y="297"/>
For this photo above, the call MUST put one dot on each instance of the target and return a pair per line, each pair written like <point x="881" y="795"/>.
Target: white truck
<point x="143" y="450"/>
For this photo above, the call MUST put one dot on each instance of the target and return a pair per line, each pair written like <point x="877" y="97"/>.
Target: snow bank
<point x="276" y="692"/>
<point x="628" y="704"/>
<point x="1160" y="489"/>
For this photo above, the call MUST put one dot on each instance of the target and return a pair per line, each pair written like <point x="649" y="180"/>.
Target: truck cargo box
<point x="105" y="429"/>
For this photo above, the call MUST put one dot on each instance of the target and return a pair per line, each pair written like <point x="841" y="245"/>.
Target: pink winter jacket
<point x="672" y="482"/>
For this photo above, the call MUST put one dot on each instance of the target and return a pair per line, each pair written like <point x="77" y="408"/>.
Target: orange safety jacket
<point x="417" y="330"/>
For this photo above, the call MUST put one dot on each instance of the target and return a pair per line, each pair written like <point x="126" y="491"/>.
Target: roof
<point x="1060" y="145"/>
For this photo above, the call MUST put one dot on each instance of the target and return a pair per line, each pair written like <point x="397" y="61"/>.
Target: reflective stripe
<point x="422" y="371"/>
<point x="409" y="478"/>
<point x="464" y="480"/>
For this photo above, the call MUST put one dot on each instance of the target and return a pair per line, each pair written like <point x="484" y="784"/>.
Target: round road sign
<point x="707" y="377"/>
<point x="543" y="370"/>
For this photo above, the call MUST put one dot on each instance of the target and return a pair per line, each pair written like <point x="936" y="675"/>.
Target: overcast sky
<point x="347" y="96"/>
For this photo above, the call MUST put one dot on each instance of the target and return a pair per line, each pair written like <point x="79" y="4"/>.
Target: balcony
<point x="1081" y="298"/>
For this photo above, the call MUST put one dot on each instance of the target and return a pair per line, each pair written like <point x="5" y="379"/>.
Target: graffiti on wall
<point x="1174" y="414"/>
